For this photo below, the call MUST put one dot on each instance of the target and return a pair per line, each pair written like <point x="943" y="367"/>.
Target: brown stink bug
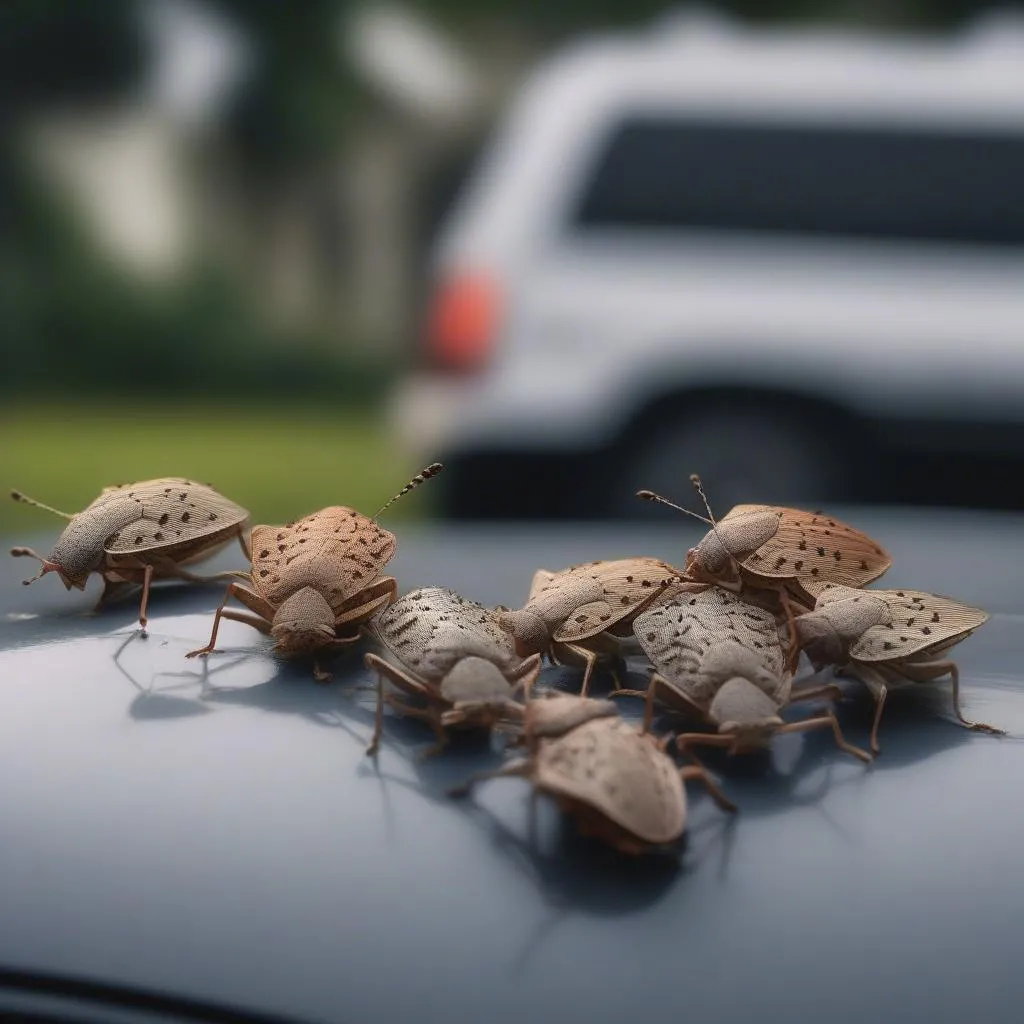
<point x="454" y="657"/>
<point x="889" y="638"/>
<point x="315" y="581"/>
<point x="578" y="615"/>
<point x="719" y="656"/>
<point x="795" y="554"/>
<point x="137" y="533"/>
<point x="613" y="778"/>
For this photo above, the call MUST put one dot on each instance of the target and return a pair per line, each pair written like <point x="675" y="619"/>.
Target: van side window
<point x="657" y="172"/>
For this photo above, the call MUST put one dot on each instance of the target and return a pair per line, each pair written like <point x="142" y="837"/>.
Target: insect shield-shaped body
<point x="721" y="658"/>
<point x="615" y="780"/>
<point x="137" y="533"/>
<point x="577" y="616"/>
<point x="315" y="582"/>
<point x="756" y="549"/>
<point x="889" y="638"/>
<point x="453" y="657"/>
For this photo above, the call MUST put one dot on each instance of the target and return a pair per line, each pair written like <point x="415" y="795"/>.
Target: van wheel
<point x="741" y="456"/>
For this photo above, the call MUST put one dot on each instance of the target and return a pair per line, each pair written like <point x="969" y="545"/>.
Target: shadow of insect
<point x="288" y="691"/>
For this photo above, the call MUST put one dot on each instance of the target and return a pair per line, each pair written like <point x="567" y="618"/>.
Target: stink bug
<point x="614" y="779"/>
<point x="454" y="656"/>
<point x="786" y="550"/>
<point x="577" y="615"/>
<point x="719" y="656"/>
<point x="315" y="581"/>
<point x="889" y="638"/>
<point x="137" y="533"/>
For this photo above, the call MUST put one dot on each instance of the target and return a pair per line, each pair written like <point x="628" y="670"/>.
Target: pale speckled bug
<point x="572" y="615"/>
<point x="889" y="638"/>
<point x="315" y="581"/>
<point x="133" y="534"/>
<point x="452" y="655"/>
<point x="614" y="779"/>
<point x="792" y="553"/>
<point x="719" y="656"/>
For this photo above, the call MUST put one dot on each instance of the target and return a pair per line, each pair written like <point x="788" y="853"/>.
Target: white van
<point x="790" y="260"/>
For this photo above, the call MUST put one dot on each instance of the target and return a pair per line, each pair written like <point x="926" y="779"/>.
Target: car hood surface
<point x="216" y="832"/>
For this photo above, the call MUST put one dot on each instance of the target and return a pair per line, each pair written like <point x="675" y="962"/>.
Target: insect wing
<point x="920" y="622"/>
<point x="162" y="513"/>
<point x="432" y="628"/>
<point x="626" y="586"/>
<point x="608" y="765"/>
<point x="816" y="549"/>
<point x="683" y="637"/>
<point x="337" y="550"/>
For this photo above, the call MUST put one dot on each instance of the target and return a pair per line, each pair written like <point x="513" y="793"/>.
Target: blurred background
<point x="300" y="249"/>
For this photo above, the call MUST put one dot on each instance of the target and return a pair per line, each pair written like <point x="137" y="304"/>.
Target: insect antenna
<point x="657" y="498"/>
<point x="47" y="566"/>
<point x="420" y="478"/>
<point x="695" y="480"/>
<point x="26" y="500"/>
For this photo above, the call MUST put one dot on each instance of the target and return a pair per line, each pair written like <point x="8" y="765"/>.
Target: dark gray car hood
<point x="225" y="838"/>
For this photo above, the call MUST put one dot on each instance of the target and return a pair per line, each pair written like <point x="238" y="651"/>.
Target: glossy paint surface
<point x="219" y="834"/>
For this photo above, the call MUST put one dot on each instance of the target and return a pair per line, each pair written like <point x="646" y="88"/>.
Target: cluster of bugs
<point x="723" y="635"/>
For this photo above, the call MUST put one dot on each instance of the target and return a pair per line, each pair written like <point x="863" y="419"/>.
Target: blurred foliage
<point x="74" y="323"/>
<point x="279" y="459"/>
<point x="293" y="112"/>
<point x="55" y="50"/>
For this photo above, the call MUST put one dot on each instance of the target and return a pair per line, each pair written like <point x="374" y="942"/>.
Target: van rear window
<point x="882" y="183"/>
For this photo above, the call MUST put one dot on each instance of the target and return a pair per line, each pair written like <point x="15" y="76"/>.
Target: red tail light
<point x="462" y="322"/>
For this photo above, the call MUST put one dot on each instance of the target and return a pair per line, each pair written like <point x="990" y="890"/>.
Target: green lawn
<point x="280" y="462"/>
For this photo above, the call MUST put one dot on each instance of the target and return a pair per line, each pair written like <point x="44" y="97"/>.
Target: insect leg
<point x="830" y="690"/>
<point x="820" y="723"/>
<point x="237" y="591"/>
<point x="873" y="679"/>
<point x="147" y="577"/>
<point x="590" y="659"/>
<point x="652" y="686"/>
<point x="245" y="545"/>
<point x="169" y="569"/>
<point x="793" y="655"/>
<point x="686" y="740"/>
<point x="386" y="671"/>
<point x="693" y="771"/>
<point x="429" y="715"/>
<point x="927" y="671"/>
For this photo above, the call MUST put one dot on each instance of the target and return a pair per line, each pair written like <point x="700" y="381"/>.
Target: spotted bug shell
<point x="916" y="624"/>
<point x="584" y="600"/>
<point x="697" y="642"/>
<point x="337" y="551"/>
<point x="610" y="766"/>
<point x="555" y="714"/>
<point x="167" y="512"/>
<point x="812" y="548"/>
<point x="432" y="628"/>
<point x="153" y="515"/>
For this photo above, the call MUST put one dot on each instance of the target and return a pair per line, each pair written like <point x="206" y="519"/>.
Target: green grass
<point x="278" y="461"/>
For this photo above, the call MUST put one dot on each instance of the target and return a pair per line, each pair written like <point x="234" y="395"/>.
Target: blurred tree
<point x="293" y="110"/>
<point x="55" y="51"/>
